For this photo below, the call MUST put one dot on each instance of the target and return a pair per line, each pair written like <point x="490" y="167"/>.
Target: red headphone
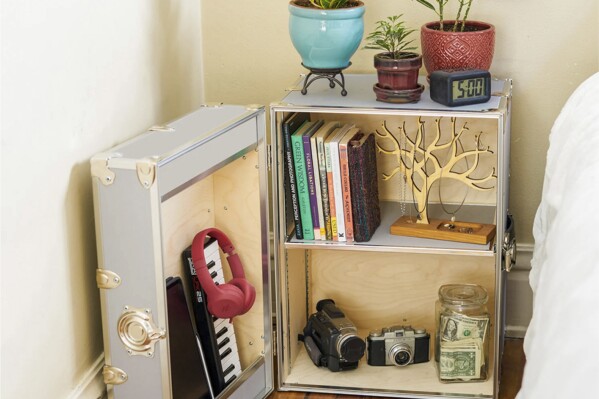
<point x="226" y="300"/>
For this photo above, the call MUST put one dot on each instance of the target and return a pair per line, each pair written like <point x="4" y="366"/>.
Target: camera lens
<point x="351" y="348"/>
<point x="402" y="358"/>
<point x="401" y="355"/>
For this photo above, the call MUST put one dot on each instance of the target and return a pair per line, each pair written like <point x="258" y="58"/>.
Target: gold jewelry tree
<point x="420" y="166"/>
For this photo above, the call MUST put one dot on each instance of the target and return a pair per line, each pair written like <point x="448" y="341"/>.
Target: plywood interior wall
<point x="378" y="290"/>
<point x="183" y="216"/>
<point x="294" y="298"/>
<point x="229" y="199"/>
<point x="237" y="213"/>
<point x="452" y="191"/>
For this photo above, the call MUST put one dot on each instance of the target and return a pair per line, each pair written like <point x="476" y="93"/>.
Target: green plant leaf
<point x="427" y="4"/>
<point x="391" y="36"/>
<point x="329" y="4"/>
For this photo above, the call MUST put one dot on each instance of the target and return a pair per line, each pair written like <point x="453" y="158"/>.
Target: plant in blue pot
<point x="326" y="34"/>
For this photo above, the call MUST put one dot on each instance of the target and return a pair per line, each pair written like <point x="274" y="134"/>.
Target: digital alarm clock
<point x="460" y="87"/>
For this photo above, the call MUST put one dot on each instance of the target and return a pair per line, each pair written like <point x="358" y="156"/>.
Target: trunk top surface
<point x="161" y="141"/>
<point x="360" y="95"/>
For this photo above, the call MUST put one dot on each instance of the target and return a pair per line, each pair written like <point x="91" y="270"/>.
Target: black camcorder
<point x="331" y="339"/>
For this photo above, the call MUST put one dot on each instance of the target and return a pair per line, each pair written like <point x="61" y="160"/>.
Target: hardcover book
<point x="290" y="126"/>
<point x="320" y="136"/>
<point x="363" y="177"/>
<point x="311" y="174"/>
<point x="336" y="176"/>
<point x="330" y="189"/>
<point x="317" y="185"/>
<point x="301" y="175"/>
<point x="345" y="182"/>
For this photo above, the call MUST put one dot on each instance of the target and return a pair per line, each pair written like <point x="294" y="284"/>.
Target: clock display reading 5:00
<point x="468" y="88"/>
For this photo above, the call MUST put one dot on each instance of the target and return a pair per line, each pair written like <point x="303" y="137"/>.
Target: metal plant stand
<point x="330" y="74"/>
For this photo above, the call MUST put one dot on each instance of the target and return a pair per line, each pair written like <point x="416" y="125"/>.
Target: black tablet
<point x="188" y="374"/>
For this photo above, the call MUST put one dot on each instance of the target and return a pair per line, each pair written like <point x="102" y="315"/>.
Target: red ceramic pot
<point x="397" y="74"/>
<point x="471" y="49"/>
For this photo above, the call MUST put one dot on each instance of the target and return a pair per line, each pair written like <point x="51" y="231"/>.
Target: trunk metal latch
<point x="138" y="332"/>
<point x="508" y="253"/>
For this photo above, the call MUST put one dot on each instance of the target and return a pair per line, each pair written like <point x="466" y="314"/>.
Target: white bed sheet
<point x="562" y="340"/>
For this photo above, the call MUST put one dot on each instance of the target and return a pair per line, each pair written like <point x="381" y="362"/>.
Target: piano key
<point x="231" y="366"/>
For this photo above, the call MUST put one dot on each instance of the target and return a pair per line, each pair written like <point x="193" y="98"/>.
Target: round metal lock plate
<point x="138" y="332"/>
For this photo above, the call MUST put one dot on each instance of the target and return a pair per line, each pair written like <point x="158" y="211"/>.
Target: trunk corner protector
<point x="146" y="172"/>
<point x="100" y="169"/>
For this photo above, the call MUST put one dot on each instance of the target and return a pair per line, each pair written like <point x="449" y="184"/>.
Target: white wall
<point x="78" y="76"/>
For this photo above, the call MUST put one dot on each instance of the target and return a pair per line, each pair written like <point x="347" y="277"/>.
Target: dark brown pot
<point x="457" y="50"/>
<point x="397" y="74"/>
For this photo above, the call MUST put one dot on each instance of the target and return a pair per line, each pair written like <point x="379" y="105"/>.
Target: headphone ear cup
<point x="248" y="290"/>
<point x="226" y="301"/>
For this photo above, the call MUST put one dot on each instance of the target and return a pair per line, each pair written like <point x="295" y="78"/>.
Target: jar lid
<point x="463" y="294"/>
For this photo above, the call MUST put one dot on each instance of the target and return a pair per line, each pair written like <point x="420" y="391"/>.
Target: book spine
<point x="317" y="185"/>
<point x="302" y="187"/>
<point x="290" y="169"/>
<point x="324" y="188"/>
<point x="346" y="192"/>
<point x="364" y="187"/>
<point x="311" y="186"/>
<point x="338" y="191"/>
<point x="331" y="191"/>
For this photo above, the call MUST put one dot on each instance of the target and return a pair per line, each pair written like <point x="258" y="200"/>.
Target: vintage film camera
<point x="398" y="346"/>
<point x="331" y="339"/>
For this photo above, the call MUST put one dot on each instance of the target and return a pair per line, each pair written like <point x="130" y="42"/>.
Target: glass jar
<point x="462" y="333"/>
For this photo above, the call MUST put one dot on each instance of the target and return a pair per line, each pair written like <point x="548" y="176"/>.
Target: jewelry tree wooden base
<point x="438" y="229"/>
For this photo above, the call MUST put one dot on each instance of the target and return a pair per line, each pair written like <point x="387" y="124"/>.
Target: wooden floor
<point x="511" y="377"/>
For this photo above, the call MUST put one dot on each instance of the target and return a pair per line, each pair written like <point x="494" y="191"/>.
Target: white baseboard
<point x="92" y="384"/>
<point x="519" y="294"/>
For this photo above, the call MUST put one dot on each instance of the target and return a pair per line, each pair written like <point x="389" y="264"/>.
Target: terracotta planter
<point x="397" y="74"/>
<point x="397" y="78"/>
<point x="457" y="50"/>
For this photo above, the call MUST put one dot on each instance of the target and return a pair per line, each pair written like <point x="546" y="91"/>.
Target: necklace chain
<point x="404" y="174"/>
<point x="459" y="142"/>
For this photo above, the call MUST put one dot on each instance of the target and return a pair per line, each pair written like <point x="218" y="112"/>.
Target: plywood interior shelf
<point x="390" y="380"/>
<point x="383" y="240"/>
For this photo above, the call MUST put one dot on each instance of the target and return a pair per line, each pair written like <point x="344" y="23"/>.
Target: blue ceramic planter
<point x="326" y="39"/>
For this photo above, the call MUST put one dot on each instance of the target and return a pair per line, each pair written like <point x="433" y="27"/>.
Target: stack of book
<point x="331" y="179"/>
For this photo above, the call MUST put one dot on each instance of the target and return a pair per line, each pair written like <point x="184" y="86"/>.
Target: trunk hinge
<point x="114" y="375"/>
<point x="161" y="128"/>
<point x="107" y="279"/>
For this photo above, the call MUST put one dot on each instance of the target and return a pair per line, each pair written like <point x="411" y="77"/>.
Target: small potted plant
<point x="326" y="33"/>
<point x="397" y="66"/>
<point x="459" y="43"/>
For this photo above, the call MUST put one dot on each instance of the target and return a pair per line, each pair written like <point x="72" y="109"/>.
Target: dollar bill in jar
<point x="463" y="326"/>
